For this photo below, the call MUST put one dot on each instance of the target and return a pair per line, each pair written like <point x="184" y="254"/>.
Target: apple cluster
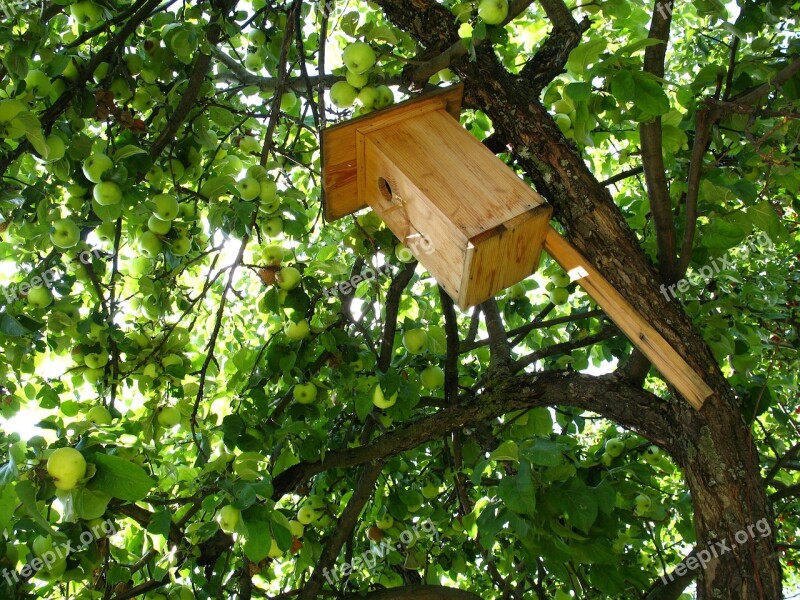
<point x="558" y="292"/>
<point x="359" y="58"/>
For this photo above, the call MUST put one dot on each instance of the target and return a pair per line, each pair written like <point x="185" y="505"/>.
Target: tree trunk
<point x="712" y="445"/>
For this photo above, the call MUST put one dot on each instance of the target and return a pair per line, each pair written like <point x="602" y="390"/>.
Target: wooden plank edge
<point x="641" y="334"/>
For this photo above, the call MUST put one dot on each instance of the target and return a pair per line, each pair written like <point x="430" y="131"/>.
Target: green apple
<point x="288" y="101"/>
<point x="306" y="515"/>
<point x="560" y="279"/>
<point x="516" y="291"/>
<point x="288" y="278"/>
<point x="652" y="455"/>
<point x="107" y="193"/>
<point x="96" y="165"/>
<point x="254" y="61"/>
<point x="643" y="503"/>
<point x="93" y="376"/>
<point x="181" y="246"/>
<point x="305" y="393"/>
<point x="356" y="80"/>
<point x="38" y="83"/>
<point x="358" y="57"/>
<point x="368" y="96"/>
<point x="274" y="551"/>
<point x="158" y="226"/>
<point x="39" y="297"/>
<point x="403" y="254"/>
<point x="150" y="244"/>
<point x="66" y="466"/>
<point x="268" y="190"/>
<point x="139" y="266"/>
<point x="166" y="207"/>
<point x="95" y="360"/>
<point x="86" y="12"/>
<point x="272" y="227"/>
<point x="559" y="296"/>
<point x="386" y="521"/>
<point x="257" y="172"/>
<point x="563" y="121"/>
<point x="169" y="416"/>
<point x="41" y="545"/>
<point x="343" y="94"/>
<point x="248" y="188"/>
<point x="493" y="12"/>
<point x="99" y="415"/>
<point x="615" y="447"/>
<point x="379" y="400"/>
<point x="563" y="106"/>
<point x="228" y="518"/>
<point x="415" y="341"/>
<point x="385" y="97"/>
<point x="432" y="377"/>
<point x="462" y="11"/>
<point x="297" y="331"/>
<point x="273" y="255"/>
<point x="430" y="490"/>
<point x="297" y="529"/>
<point x="249" y="144"/>
<point x="56" y="148"/>
<point x="65" y="233"/>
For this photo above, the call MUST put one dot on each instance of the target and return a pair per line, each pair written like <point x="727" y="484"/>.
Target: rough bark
<point x="712" y="446"/>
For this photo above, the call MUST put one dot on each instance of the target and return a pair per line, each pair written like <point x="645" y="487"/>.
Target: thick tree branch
<point x="549" y="60"/>
<point x="631" y="407"/>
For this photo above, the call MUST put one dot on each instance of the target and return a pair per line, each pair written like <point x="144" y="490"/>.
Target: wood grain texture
<point x="339" y="165"/>
<point x="641" y="334"/>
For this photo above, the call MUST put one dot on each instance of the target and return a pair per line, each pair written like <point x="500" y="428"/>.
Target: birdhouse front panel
<point x="468" y="218"/>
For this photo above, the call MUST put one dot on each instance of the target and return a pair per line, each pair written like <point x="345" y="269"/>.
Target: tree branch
<point x="549" y="60"/>
<point x="416" y="592"/>
<point x="631" y="407"/>
<point x="652" y="150"/>
<point x="343" y="530"/>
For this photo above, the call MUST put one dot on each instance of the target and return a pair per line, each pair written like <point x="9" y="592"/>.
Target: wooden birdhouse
<point x="466" y="216"/>
<point x="471" y="222"/>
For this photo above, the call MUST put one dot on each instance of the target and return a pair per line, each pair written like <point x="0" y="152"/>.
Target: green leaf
<point x="763" y="216"/>
<point x="120" y="478"/>
<point x="490" y="521"/>
<point x="126" y="151"/>
<point x="8" y="502"/>
<point x="216" y="186"/>
<point x="26" y="492"/>
<point x="585" y="54"/>
<point x="12" y="327"/>
<point x="580" y="504"/>
<point x="259" y="540"/>
<point x="545" y="453"/>
<point x="33" y="131"/>
<point x="518" y="491"/>
<point x="649" y="95"/>
<point x="508" y="450"/>
<point x="722" y="234"/>
<point x="90" y="504"/>
<point x="160" y="523"/>
<point x="623" y="87"/>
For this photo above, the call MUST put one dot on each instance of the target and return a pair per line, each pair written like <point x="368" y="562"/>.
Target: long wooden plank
<point x="658" y="351"/>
